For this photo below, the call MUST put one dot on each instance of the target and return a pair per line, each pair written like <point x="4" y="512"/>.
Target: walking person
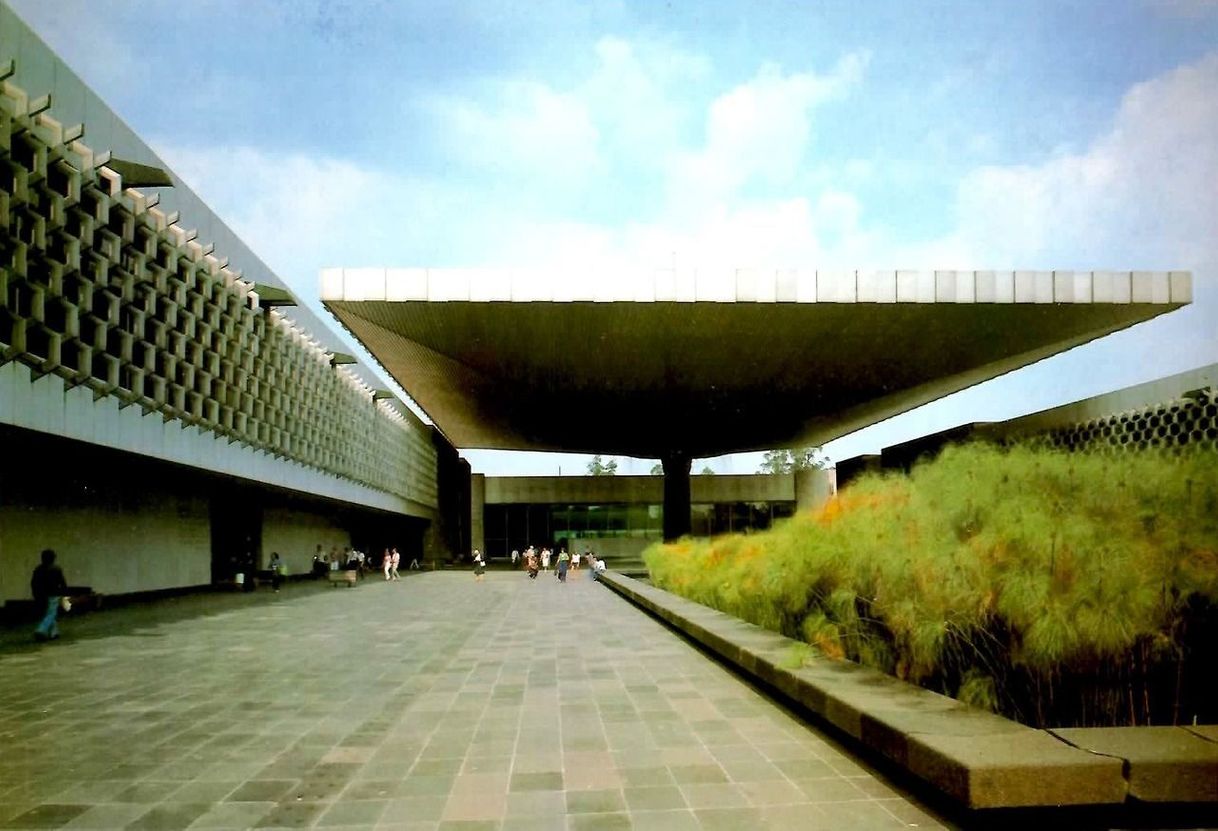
<point x="530" y="559"/>
<point x="395" y="561"/>
<point x="49" y="588"/>
<point x="276" y="567"/>
<point x="479" y="566"/>
<point x="387" y="564"/>
<point x="515" y="557"/>
<point x="575" y="561"/>
<point x="564" y="560"/>
<point x="545" y="559"/>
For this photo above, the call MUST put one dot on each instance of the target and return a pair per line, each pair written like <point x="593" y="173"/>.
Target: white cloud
<point x="760" y="130"/>
<point x="530" y="130"/>
<point x="1142" y="195"/>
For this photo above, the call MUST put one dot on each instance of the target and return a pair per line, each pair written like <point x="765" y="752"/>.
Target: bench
<point x="339" y="577"/>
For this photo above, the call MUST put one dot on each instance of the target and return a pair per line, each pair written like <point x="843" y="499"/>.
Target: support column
<point x="477" y="507"/>
<point x="676" y="495"/>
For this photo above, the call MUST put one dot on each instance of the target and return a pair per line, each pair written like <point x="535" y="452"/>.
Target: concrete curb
<point x="979" y="759"/>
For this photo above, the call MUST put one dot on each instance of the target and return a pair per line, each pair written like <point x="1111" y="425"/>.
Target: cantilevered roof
<point x="706" y="363"/>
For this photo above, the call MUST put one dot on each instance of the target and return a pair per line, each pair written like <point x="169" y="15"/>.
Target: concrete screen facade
<point x="139" y="335"/>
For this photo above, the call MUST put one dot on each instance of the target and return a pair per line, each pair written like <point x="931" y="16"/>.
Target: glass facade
<point x="508" y="527"/>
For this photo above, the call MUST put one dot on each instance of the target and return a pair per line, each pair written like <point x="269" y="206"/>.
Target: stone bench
<point x="978" y="759"/>
<point x="346" y="577"/>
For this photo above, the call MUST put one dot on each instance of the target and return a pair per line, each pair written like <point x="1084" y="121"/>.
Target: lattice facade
<point x="102" y="289"/>
<point x="1191" y="421"/>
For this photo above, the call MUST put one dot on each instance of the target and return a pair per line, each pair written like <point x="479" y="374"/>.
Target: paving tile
<point x="536" y="803"/>
<point x="233" y="815"/>
<point x="169" y="815"/>
<point x="362" y="813"/>
<point x="660" y="798"/>
<point x="537" y="781"/>
<point x="414" y="808"/>
<point x="595" y="802"/>
<point x="599" y="822"/>
<point x="146" y="792"/>
<point x="729" y="819"/>
<point x="47" y="815"/>
<point x="666" y="821"/>
<point x="714" y="795"/>
<point x="831" y="790"/>
<point x="556" y="822"/>
<point x="260" y="790"/>
<point x="108" y="815"/>
<point x="697" y="774"/>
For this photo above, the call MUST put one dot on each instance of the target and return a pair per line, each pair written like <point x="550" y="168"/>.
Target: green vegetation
<point x="1057" y="588"/>
<point x="599" y="467"/>
<point x="789" y="461"/>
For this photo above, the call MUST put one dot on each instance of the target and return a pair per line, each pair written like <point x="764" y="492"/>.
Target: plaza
<point x="176" y="415"/>
<point x="433" y="703"/>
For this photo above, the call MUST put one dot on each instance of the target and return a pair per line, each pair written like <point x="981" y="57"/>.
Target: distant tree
<point x="706" y="471"/>
<point x="599" y="467"/>
<point x="657" y="469"/>
<point x="789" y="461"/>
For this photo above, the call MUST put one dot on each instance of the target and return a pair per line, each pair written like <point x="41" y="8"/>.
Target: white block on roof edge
<point x="331" y="284"/>
<point x="715" y="285"/>
<point x="876" y="286"/>
<point x="489" y="285"/>
<point x="687" y="285"/>
<point x="746" y="285"/>
<point x="805" y="285"/>
<point x="1181" y="286"/>
<point x="364" y="283"/>
<point x="834" y="285"/>
<point x="448" y="284"/>
<point x="786" y="285"/>
<point x="405" y="284"/>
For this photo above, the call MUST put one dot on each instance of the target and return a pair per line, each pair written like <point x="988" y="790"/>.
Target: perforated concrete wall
<point x="1191" y="421"/>
<point x="104" y="291"/>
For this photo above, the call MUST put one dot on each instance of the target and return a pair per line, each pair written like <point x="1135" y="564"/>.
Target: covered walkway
<point x="433" y="703"/>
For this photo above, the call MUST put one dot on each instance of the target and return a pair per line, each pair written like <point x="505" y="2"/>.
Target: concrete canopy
<point x="697" y="365"/>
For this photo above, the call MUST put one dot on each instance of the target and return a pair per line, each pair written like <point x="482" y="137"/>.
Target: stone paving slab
<point x="433" y="703"/>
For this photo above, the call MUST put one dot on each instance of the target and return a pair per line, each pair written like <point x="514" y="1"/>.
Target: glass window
<point x="702" y="519"/>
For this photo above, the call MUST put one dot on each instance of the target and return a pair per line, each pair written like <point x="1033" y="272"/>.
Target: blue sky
<point x="1071" y="135"/>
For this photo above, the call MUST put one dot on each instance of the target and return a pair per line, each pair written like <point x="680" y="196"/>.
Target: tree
<point x="657" y="469"/>
<point x="789" y="461"/>
<point x="598" y="467"/>
<point x="706" y="470"/>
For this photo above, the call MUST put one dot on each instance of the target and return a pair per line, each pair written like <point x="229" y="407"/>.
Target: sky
<point x="961" y="135"/>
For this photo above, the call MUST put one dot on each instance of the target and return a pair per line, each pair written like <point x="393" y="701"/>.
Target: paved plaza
<point x="433" y="703"/>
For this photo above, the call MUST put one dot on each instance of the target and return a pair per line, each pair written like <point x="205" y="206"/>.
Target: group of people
<point x="535" y="561"/>
<point x="354" y="560"/>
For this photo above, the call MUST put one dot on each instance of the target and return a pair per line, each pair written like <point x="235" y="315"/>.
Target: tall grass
<point x="1057" y="588"/>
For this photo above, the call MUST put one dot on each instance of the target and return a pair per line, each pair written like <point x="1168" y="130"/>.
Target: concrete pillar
<point x="676" y="495"/>
<point x="477" y="502"/>
<point x="814" y="487"/>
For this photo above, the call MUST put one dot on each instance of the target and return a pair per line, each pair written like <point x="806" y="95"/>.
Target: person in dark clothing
<point x="48" y="587"/>
<point x="276" y="567"/>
